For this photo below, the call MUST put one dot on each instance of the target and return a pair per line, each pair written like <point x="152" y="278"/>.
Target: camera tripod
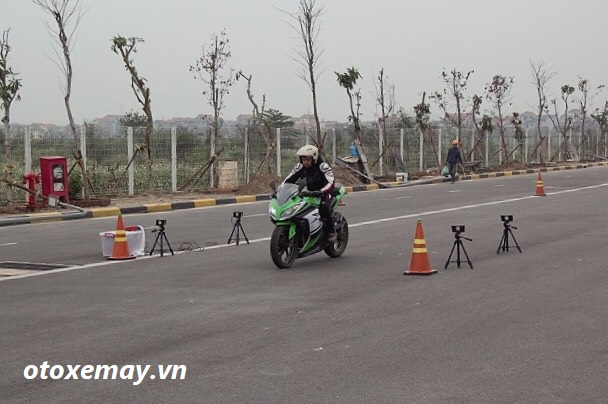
<point x="160" y="235"/>
<point x="237" y="228"/>
<point x="504" y="241"/>
<point x="458" y="245"/>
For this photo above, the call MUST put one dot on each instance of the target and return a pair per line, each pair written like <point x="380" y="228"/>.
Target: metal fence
<point x="177" y="153"/>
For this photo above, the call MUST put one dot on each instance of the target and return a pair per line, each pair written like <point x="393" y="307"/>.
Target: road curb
<point x="171" y="206"/>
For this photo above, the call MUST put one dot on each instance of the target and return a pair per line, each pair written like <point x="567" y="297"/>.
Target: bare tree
<point x="209" y="69"/>
<point x="264" y="123"/>
<point x="562" y="126"/>
<point x="9" y="92"/>
<point x="453" y="91"/>
<point x="499" y="93"/>
<point x="67" y="15"/>
<point x="125" y="47"/>
<point x="385" y="96"/>
<point x="306" y="22"/>
<point x="540" y="78"/>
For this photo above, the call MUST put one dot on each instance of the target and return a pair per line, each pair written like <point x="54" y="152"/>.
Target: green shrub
<point x="75" y="185"/>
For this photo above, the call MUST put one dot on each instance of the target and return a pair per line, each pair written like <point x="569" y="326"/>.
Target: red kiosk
<point x="54" y="178"/>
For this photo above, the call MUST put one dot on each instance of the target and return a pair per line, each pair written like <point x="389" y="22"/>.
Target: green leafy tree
<point x="348" y="80"/>
<point x="562" y="125"/>
<point x="422" y="112"/>
<point x="482" y="127"/>
<point x="498" y="91"/>
<point x="601" y="118"/>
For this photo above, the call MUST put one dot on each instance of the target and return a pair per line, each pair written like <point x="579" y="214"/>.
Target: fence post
<point x="27" y="144"/>
<point x="83" y="150"/>
<point x="473" y="133"/>
<point x="487" y="142"/>
<point x="381" y="157"/>
<point x="421" y="148"/>
<point x="525" y="159"/>
<point x="130" y="171"/>
<point x="548" y="144"/>
<point x="401" y="136"/>
<point x="279" y="152"/>
<point x="83" y="146"/>
<point x="246" y="156"/>
<point x="173" y="159"/>
<point x="333" y="148"/>
<point x="439" y="146"/>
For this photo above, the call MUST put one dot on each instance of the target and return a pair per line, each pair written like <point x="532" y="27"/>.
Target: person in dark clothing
<point x="319" y="177"/>
<point x="453" y="158"/>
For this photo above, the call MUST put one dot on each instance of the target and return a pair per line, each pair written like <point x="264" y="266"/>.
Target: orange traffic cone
<point x="540" y="188"/>
<point x="121" y="248"/>
<point x="420" y="259"/>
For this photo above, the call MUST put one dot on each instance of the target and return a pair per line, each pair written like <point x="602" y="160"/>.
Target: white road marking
<point x="368" y="223"/>
<point x="257" y="214"/>
<point x="7" y="244"/>
<point x="403" y="197"/>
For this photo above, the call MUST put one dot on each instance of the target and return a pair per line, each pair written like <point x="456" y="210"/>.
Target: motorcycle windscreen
<point x="286" y="192"/>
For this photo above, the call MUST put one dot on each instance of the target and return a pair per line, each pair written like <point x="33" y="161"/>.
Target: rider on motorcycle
<point x="319" y="177"/>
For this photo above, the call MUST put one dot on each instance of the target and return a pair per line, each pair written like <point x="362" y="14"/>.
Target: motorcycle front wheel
<point x="283" y="251"/>
<point x="337" y="248"/>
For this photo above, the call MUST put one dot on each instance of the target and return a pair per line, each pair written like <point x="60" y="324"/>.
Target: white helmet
<point x="308" y="151"/>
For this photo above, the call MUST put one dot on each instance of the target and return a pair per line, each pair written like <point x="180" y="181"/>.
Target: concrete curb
<point x="166" y="206"/>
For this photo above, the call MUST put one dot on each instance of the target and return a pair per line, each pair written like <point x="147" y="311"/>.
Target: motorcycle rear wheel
<point x="283" y="251"/>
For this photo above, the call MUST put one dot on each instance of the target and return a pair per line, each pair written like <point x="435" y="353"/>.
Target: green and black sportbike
<point x="299" y="230"/>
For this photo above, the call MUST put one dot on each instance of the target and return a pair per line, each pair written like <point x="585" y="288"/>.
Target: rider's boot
<point x="331" y="232"/>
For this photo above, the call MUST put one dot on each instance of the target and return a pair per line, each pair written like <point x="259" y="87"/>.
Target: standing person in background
<point x="453" y="158"/>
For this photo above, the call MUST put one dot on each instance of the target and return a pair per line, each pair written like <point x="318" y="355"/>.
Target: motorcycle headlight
<point x="272" y="212"/>
<point x="291" y="211"/>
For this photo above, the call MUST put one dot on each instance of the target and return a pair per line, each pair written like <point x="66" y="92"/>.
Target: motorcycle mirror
<point x="273" y="186"/>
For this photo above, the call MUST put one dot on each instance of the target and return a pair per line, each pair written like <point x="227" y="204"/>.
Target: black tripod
<point x="237" y="228"/>
<point x="458" y="245"/>
<point x="160" y="235"/>
<point x="504" y="241"/>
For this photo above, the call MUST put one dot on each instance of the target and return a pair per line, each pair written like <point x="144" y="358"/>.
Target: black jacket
<point x="453" y="156"/>
<point x="319" y="177"/>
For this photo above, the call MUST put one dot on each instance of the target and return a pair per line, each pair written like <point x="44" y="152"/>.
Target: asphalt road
<point x="529" y="327"/>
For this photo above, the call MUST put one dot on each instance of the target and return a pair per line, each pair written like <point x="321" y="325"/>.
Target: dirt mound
<point x="259" y="185"/>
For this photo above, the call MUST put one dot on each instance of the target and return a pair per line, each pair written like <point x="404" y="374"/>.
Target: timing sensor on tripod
<point x="458" y="228"/>
<point x="160" y="225"/>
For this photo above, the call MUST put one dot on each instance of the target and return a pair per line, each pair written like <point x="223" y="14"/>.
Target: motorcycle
<point x="299" y="230"/>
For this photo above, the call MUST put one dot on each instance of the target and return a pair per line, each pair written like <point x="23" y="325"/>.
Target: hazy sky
<point x="412" y="40"/>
